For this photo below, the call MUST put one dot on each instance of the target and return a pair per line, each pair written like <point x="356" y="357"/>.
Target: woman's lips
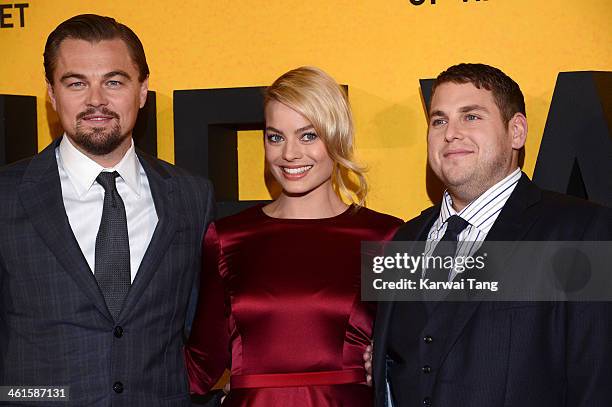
<point x="295" y="172"/>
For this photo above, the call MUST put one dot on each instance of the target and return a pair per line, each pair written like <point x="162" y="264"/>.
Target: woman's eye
<point x="274" y="138"/>
<point x="308" y="137"/>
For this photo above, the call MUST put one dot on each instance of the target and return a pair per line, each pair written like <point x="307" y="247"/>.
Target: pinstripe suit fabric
<point x="54" y="326"/>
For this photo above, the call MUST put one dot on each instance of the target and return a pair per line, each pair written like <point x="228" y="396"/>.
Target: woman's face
<point x="295" y="154"/>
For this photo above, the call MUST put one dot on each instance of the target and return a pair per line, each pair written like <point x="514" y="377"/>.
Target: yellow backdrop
<point x="379" y="48"/>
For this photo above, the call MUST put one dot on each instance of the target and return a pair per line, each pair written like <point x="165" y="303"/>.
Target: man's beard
<point x="97" y="141"/>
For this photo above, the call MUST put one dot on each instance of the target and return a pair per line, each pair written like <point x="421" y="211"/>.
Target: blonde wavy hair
<point x="316" y="96"/>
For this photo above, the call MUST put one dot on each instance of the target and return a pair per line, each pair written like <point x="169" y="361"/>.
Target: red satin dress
<point x="280" y="304"/>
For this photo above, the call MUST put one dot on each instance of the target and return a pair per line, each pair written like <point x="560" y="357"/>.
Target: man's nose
<point x="96" y="96"/>
<point x="453" y="131"/>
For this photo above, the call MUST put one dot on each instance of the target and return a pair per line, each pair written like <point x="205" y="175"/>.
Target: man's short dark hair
<point x="506" y="93"/>
<point x="93" y="28"/>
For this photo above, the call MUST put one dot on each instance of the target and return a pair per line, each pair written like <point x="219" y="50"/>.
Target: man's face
<point x="96" y="94"/>
<point x="470" y="147"/>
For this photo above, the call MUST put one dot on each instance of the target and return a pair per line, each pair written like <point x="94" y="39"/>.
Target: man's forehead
<point x="71" y="43"/>
<point x="97" y="57"/>
<point x="454" y="96"/>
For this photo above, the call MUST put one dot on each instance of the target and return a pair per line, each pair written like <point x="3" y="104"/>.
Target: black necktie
<point x="112" y="265"/>
<point x="446" y="247"/>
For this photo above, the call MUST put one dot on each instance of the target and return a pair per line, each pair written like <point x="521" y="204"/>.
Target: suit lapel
<point x="515" y="220"/>
<point x="41" y="196"/>
<point x="419" y="228"/>
<point x="162" y="190"/>
<point x="513" y="223"/>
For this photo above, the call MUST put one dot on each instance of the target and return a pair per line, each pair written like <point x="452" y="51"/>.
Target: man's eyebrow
<point x="470" y="108"/>
<point x="117" y="73"/>
<point x="437" y="113"/>
<point x="108" y="75"/>
<point x="74" y="75"/>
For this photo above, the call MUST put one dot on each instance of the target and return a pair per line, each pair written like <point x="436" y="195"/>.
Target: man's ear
<point x="144" y="89"/>
<point x="51" y="94"/>
<point x="517" y="126"/>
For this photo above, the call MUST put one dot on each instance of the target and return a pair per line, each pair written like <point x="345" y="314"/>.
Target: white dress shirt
<point x="84" y="198"/>
<point x="481" y="214"/>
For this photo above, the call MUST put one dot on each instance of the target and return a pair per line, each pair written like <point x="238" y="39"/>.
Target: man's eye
<point x="308" y="137"/>
<point x="76" y="85"/>
<point x="438" y="122"/>
<point x="113" y="84"/>
<point x="274" y="138"/>
<point x="470" y="117"/>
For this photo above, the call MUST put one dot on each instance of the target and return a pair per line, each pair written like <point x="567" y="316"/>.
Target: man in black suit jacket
<point x="482" y="353"/>
<point x="95" y="282"/>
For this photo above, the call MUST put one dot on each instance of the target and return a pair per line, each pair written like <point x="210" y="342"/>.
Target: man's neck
<point x="107" y="160"/>
<point x="462" y="197"/>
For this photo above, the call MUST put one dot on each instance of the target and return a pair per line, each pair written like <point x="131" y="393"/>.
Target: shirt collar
<point x="83" y="171"/>
<point x="447" y="210"/>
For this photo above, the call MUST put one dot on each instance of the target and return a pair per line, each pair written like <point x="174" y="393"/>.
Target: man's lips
<point x="460" y="152"/>
<point x="97" y="118"/>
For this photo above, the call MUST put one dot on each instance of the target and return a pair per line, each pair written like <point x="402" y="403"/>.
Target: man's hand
<point x="367" y="358"/>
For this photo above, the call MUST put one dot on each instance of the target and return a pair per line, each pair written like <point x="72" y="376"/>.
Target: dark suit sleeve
<point x="2" y="271"/>
<point x="3" y="327"/>
<point x="207" y="351"/>
<point x="209" y="211"/>
<point x="589" y="354"/>
<point x="589" y="336"/>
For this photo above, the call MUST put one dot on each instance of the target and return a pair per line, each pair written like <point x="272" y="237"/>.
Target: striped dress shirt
<point x="481" y="214"/>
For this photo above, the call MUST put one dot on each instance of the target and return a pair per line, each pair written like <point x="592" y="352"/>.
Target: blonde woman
<point x="280" y="292"/>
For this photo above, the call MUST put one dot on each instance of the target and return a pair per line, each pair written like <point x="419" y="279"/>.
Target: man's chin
<point x="454" y="181"/>
<point x="99" y="142"/>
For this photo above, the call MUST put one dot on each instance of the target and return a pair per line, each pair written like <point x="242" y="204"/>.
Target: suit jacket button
<point x="118" y="387"/>
<point x="427" y="339"/>
<point x="427" y="402"/>
<point x="118" y="332"/>
<point x="426" y="369"/>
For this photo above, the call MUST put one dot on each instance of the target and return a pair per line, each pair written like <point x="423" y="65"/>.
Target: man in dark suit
<point x="99" y="243"/>
<point x="487" y="353"/>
